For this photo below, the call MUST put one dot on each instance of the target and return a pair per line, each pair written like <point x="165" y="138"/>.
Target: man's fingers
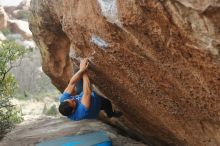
<point x="85" y="60"/>
<point x="85" y="63"/>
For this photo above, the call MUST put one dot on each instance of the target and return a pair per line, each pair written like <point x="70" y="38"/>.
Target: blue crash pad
<point x="92" y="139"/>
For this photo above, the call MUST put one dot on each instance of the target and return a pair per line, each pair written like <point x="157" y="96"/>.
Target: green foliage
<point x="6" y="31"/>
<point x="10" y="56"/>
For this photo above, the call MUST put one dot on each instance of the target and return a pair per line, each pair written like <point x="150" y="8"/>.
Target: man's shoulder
<point x="64" y="96"/>
<point x="80" y="113"/>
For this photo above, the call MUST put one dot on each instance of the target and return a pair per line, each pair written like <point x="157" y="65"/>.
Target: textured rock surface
<point x="47" y="129"/>
<point x="157" y="60"/>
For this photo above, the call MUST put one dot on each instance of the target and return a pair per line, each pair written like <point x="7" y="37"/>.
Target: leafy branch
<point x="11" y="55"/>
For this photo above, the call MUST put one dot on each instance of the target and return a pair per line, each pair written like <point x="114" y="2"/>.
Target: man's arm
<point x="86" y="91"/>
<point x="76" y="77"/>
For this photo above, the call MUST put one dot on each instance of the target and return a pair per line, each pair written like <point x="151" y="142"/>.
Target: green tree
<point x="11" y="55"/>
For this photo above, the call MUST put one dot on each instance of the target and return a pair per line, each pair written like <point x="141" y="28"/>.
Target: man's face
<point x="72" y="103"/>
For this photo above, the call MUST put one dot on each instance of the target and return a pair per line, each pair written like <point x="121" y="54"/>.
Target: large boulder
<point x="158" y="61"/>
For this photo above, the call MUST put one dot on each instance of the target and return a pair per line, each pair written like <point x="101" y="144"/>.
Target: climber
<point x="78" y="101"/>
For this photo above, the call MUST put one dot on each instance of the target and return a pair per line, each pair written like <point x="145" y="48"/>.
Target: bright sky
<point x="10" y="2"/>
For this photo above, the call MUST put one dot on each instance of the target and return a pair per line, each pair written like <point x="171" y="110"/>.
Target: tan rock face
<point x="3" y="18"/>
<point x="157" y="60"/>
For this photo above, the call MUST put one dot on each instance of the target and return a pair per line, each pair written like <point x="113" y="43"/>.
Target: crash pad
<point x="91" y="139"/>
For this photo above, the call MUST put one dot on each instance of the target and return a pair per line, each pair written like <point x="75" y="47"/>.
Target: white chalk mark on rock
<point x="110" y="11"/>
<point x="99" y="42"/>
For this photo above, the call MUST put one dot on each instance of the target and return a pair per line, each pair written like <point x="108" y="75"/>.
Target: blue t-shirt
<point x="81" y="112"/>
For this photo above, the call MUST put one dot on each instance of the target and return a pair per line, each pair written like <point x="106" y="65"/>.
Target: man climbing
<point x="78" y="101"/>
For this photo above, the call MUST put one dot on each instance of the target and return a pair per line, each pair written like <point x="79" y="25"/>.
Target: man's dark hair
<point x="65" y="109"/>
